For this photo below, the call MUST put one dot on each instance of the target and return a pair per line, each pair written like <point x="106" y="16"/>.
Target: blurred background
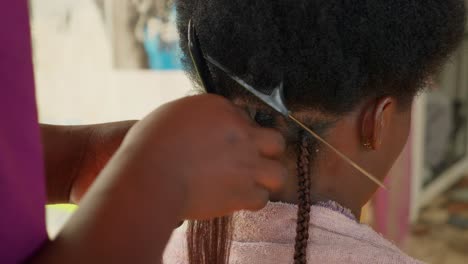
<point x="91" y="60"/>
<point x="107" y="60"/>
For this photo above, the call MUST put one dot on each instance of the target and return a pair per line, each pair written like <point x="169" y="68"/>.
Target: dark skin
<point x="75" y="155"/>
<point x="174" y="164"/>
<point x="383" y="124"/>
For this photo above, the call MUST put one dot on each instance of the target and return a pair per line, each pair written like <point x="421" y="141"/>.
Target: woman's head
<point x="350" y="70"/>
<point x="337" y="59"/>
<point x="331" y="55"/>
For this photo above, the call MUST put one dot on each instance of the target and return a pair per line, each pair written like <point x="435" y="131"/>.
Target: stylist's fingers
<point x="270" y="142"/>
<point x="271" y="175"/>
<point x="257" y="199"/>
<point x="243" y="113"/>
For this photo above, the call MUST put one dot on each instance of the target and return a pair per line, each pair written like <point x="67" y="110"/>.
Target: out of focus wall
<point x="75" y="78"/>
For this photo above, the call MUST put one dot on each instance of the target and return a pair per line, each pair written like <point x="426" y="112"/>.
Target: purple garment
<point x="22" y="186"/>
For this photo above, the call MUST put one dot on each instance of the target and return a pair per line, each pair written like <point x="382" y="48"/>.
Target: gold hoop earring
<point x="367" y="145"/>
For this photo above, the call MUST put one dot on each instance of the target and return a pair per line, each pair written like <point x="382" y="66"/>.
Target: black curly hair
<point x="330" y="55"/>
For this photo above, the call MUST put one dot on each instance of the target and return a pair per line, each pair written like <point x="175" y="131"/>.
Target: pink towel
<point x="267" y="236"/>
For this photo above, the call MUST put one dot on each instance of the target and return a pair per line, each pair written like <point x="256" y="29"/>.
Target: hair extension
<point x="304" y="201"/>
<point x="209" y="241"/>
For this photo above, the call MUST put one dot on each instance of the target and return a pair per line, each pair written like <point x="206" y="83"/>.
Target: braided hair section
<point x="304" y="201"/>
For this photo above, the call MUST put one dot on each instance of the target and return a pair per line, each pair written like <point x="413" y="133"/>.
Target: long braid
<point x="304" y="202"/>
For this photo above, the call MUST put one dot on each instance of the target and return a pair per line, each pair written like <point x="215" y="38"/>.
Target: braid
<point x="304" y="202"/>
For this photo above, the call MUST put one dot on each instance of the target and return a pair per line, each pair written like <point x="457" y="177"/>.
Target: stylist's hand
<point x="219" y="159"/>
<point x="197" y="157"/>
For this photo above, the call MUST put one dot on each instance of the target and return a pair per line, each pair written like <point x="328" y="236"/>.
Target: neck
<point x="350" y="189"/>
<point x="317" y="198"/>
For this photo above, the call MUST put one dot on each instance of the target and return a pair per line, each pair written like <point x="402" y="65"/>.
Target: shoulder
<point x="345" y="241"/>
<point x="176" y="249"/>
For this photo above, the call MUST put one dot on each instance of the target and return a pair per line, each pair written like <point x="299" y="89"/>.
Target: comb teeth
<point x="198" y="60"/>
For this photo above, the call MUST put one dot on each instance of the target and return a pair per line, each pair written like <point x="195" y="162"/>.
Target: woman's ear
<point x="375" y="119"/>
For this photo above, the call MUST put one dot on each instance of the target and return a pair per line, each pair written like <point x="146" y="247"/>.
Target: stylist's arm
<point x="195" y="158"/>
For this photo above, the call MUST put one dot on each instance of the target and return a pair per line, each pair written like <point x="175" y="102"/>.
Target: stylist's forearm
<point x="75" y="155"/>
<point x="124" y="218"/>
<point x="64" y="150"/>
